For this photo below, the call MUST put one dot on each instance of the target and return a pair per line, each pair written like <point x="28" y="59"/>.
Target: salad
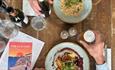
<point x="68" y="59"/>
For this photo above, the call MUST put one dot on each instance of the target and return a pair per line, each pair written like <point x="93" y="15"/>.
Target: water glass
<point x="64" y="34"/>
<point x="72" y="31"/>
<point x="8" y="29"/>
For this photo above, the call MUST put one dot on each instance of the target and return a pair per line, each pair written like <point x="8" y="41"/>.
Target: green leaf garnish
<point x="68" y="66"/>
<point x="69" y="3"/>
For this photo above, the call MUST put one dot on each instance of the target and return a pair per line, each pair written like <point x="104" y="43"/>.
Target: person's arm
<point x="102" y="67"/>
<point x="96" y="51"/>
<point x="35" y="5"/>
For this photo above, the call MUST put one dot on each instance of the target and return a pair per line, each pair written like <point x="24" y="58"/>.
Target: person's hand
<point x="96" y="49"/>
<point x="35" y="5"/>
<point x="50" y="1"/>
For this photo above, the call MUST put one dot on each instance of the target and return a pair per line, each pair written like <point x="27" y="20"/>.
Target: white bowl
<point x="73" y="19"/>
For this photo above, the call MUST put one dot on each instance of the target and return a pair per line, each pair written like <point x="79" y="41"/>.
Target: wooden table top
<point x="99" y="19"/>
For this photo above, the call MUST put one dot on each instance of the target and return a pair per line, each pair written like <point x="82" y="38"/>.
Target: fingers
<point x="50" y="1"/>
<point x="103" y="45"/>
<point x="35" y="6"/>
<point x="98" y="36"/>
<point x="84" y="44"/>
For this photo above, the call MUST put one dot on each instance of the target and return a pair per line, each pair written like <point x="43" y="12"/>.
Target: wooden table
<point x="99" y="19"/>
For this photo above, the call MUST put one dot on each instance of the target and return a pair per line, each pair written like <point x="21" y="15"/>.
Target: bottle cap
<point x="89" y="36"/>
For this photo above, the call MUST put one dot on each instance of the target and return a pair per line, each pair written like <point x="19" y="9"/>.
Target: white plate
<point x="73" y="19"/>
<point x="75" y="47"/>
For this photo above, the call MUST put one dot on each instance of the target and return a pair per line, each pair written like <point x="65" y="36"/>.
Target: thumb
<point x="84" y="44"/>
<point x="50" y="1"/>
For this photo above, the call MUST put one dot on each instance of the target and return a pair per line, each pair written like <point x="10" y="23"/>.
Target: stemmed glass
<point x="38" y="23"/>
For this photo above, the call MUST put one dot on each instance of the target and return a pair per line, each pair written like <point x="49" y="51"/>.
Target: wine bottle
<point x="45" y="7"/>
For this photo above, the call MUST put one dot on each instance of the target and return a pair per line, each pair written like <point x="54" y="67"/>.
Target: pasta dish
<point x="71" y="7"/>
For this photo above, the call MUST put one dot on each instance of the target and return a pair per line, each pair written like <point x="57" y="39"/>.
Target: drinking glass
<point x="38" y="23"/>
<point x="8" y="29"/>
<point x="72" y="32"/>
<point x="64" y="34"/>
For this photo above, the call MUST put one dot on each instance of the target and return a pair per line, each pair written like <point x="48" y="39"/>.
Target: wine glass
<point x="8" y="29"/>
<point x="38" y="23"/>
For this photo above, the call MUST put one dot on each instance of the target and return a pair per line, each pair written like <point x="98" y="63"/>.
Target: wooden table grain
<point x="99" y="19"/>
<point x="113" y="32"/>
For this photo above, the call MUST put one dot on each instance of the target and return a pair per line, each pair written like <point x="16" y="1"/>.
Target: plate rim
<point x="57" y="45"/>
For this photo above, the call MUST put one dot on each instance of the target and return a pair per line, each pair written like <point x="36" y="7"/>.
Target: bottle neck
<point x="45" y="7"/>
